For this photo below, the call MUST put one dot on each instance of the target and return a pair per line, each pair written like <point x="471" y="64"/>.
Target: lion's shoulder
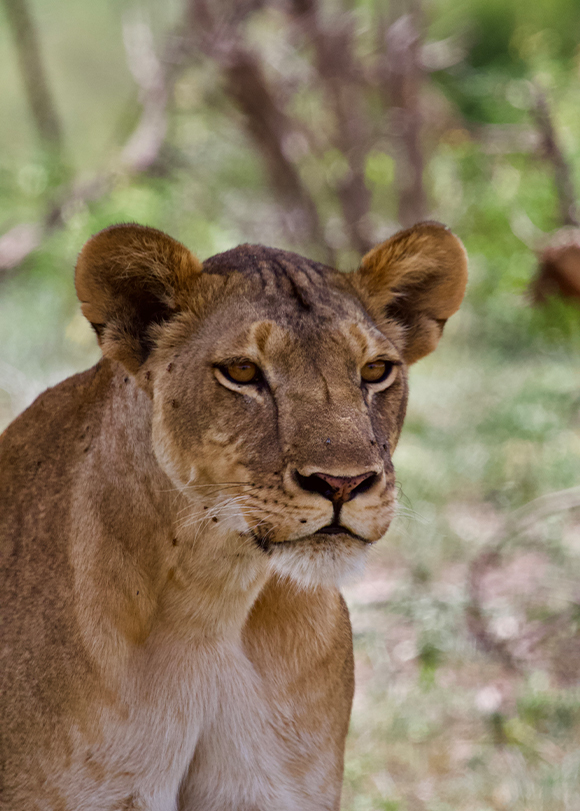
<point x="42" y="430"/>
<point x="39" y="453"/>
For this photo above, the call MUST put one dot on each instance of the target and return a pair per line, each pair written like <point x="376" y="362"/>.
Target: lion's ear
<point x="417" y="278"/>
<point x="128" y="279"/>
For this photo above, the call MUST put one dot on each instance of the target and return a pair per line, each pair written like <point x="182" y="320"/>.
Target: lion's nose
<point x="338" y="489"/>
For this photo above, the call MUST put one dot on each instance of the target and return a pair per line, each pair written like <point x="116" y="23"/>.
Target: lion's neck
<point x="217" y="577"/>
<point x="165" y="575"/>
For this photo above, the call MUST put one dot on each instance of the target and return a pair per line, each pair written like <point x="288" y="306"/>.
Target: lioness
<point x="175" y="522"/>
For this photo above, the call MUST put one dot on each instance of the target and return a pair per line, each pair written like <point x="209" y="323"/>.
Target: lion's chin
<point x="321" y="560"/>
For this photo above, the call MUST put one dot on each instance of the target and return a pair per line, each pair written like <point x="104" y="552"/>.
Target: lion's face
<point x="279" y="389"/>
<point x="298" y="448"/>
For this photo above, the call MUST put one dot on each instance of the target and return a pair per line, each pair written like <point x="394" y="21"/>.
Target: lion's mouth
<point x="339" y="529"/>
<point x="331" y="529"/>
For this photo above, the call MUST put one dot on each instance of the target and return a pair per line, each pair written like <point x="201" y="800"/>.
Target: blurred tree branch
<point x="352" y="89"/>
<point x="346" y="86"/>
<point x="138" y="155"/>
<point x="142" y="148"/>
<point x="521" y="524"/>
<point x="34" y="77"/>
<point x="266" y="122"/>
<point x="553" y="153"/>
<point x="477" y="621"/>
<point x="400" y="73"/>
<point x="342" y="81"/>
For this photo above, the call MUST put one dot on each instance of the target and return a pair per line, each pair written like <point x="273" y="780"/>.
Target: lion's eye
<point x="376" y="371"/>
<point x="243" y="371"/>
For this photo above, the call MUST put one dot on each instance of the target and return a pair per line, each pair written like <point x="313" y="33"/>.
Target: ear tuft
<point x="129" y="278"/>
<point x="417" y="278"/>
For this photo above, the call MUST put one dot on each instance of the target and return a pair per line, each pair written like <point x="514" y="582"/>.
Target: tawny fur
<point x="173" y="636"/>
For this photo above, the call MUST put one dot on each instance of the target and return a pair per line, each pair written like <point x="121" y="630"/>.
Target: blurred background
<point x="323" y="126"/>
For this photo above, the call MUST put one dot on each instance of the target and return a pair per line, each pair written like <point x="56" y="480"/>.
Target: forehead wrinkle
<point x="304" y="271"/>
<point x="269" y="278"/>
<point x="290" y="281"/>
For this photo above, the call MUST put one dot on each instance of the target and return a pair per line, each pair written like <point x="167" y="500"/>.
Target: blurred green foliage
<point x="494" y="415"/>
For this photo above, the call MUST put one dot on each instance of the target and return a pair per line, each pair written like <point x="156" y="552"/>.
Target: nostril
<point x="315" y="484"/>
<point x="365" y="485"/>
<point x="336" y="488"/>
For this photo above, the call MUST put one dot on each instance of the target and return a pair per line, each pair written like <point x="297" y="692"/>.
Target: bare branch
<point x="270" y="130"/>
<point x="142" y="148"/>
<point x="401" y="75"/>
<point x="520" y="523"/>
<point x="17" y="243"/>
<point x="137" y="156"/>
<point x="477" y="621"/>
<point x="341" y="78"/>
<point x="553" y="153"/>
<point x="503" y="139"/>
<point x="34" y="76"/>
<point x="266" y="122"/>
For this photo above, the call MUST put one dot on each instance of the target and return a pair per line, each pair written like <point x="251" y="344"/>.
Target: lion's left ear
<point x="417" y="278"/>
<point x="129" y="279"/>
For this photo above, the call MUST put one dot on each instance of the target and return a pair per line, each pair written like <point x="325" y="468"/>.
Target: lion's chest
<point x="191" y="727"/>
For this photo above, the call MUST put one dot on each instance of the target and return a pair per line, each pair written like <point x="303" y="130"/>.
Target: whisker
<point x="221" y="484"/>
<point x="229" y="500"/>
<point x="215" y="511"/>
<point x="216" y="485"/>
<point x="409" y="512"/>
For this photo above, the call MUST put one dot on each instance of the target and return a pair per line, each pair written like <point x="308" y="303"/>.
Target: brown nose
<point x="338" y="489"/>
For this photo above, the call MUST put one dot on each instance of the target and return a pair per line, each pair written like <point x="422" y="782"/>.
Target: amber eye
<point x="376" y="371"/>
<point x="244" y="371"/>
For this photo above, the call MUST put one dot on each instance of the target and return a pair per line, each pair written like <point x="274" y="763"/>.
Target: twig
<point x="270" y="129"/>
<point x="519" y="523"/>
<point x="34" y="76"/>
<point x="341" y="78"/>
<point x="137" y="156"/>
<point x="523" y="519"/>
<point x="266" y="122"/>
<point x="400" y="73"/>
<point x="475" y="615"/>
<point x="142" y="148"/>
<point x="552" y="151"/>
<point x="18" y="242"/>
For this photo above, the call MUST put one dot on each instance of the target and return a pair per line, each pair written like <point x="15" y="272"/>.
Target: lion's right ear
<point x="416" y="278"/>
<point x="129" y="278"/>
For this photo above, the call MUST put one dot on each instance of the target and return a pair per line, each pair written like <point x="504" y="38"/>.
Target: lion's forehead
<point x="273" y="339"/>
<point x="299" y="286"/>
<point x="338" y="342"/>
<point x="287" y="307"/>
<point x="268" y="264"/>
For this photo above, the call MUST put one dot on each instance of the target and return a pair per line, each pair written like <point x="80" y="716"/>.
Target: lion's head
<point x="278" y="385"/>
